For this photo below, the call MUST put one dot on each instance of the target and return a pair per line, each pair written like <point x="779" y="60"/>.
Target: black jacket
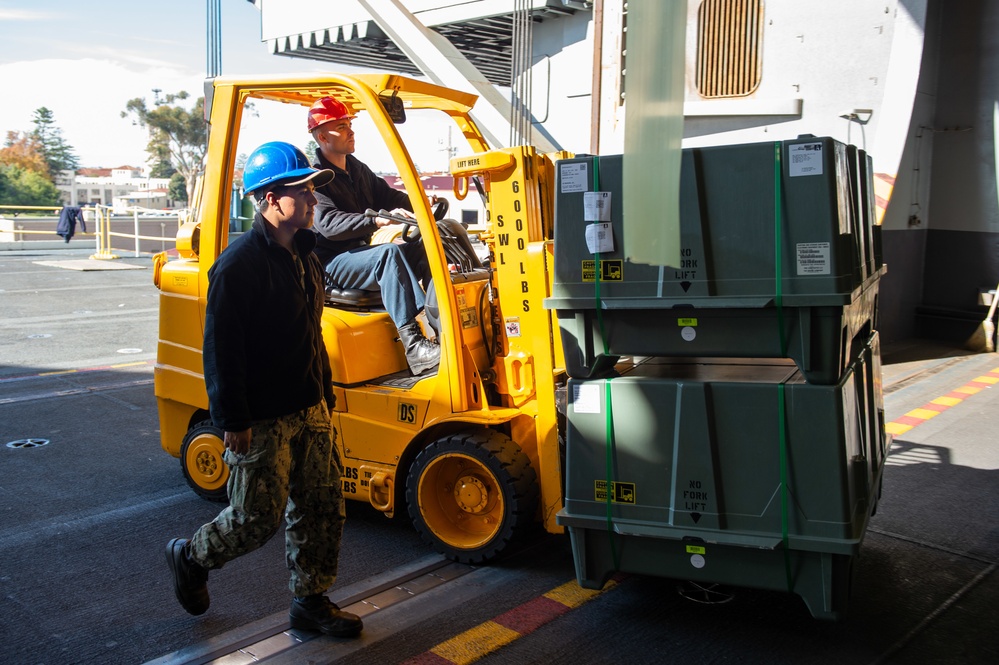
<point x="68" y="217"/>
<point x="340" y="223"/>
<point x="264" y="355"/>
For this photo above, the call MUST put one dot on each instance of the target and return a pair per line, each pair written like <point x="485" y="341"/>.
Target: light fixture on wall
<point x="861" y="117"/>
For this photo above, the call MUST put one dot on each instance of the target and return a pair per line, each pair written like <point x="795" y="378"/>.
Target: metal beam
<point x="445" y="65"/>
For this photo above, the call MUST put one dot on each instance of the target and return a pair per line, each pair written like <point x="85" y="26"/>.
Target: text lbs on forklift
<point x="471" y="451"/>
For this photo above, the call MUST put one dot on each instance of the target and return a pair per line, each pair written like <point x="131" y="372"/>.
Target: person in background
<point x="270" y="391"/>
<point x="344" y="242"/>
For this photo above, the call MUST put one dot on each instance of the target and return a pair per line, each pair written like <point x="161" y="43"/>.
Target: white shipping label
<point x="573" y="177"/>
<point x="813" y="258"/>
<point x="599" y="238"/>
<point x="586" y="398"/>
<point x="596" y="206"/>
<point x="805" y="159"/>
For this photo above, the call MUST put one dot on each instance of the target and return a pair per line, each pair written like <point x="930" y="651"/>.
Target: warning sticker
<point x="813" y="258"/>
<point x="469" y="318"/>
<point x="620" y="492"/>
<point x="611" y="270"/>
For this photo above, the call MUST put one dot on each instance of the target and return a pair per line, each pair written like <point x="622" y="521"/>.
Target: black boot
<point x="320" y="613"/>
<point x="190" y="580"/>
<point x="421" y="353"/>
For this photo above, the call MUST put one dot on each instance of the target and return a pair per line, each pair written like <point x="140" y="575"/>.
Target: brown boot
<point x="421" y="353"/>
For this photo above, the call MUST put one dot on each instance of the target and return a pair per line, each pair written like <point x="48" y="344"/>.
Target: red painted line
<point x="532" y="615"/>
<point x="940" y="408"/>
<point x="978" y="384"/>
<point x="909" y="420"/>
<point x="956" y="395"/>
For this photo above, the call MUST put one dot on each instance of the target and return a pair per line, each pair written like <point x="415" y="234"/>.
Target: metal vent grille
<point x="729" y="47"/>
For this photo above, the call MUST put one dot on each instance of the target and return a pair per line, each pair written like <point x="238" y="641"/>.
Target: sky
<point x="85" y="60"/>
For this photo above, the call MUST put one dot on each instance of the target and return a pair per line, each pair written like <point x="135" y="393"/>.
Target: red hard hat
<point x="326" y="110"/>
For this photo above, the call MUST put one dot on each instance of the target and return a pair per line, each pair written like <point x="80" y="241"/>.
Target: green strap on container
<point x="782" y="421"/>
<point x="608" y="401"/>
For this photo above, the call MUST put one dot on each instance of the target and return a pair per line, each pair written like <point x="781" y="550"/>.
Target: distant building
<point x="121" y="187"/>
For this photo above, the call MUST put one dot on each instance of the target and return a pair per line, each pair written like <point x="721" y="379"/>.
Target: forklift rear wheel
<point x="471" y="495"/>
<point x="201" y="460"/>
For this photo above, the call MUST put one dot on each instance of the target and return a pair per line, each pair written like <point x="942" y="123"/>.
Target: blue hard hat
<point x="280" y="163"/>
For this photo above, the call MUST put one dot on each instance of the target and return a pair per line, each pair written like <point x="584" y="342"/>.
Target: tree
<point x="178" y="189"/>
<point x="163" y="169"/>
<point x="175" y="134"/>
<point x="58" y="154"/>
<point x="25" y="187"/>
<point x="24" y="151"/>
<point x="24" y="177"/>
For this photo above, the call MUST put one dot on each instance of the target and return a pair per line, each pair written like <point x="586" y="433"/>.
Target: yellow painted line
<point x="571" y="594"/>
<point x="946" y="401"/>
<point x="923" y="414"/>
<point x="62" y="371"/>
<point x="489" y="636"/>
<point x="134" y="364"/>
<point x="986" y="379"/>
<point x="897" y="428"/>
<point x="475" y="643"/>
<point x="968" y="390"/>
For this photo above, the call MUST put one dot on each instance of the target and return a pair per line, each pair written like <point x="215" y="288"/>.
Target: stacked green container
<point x="745" y="445"/>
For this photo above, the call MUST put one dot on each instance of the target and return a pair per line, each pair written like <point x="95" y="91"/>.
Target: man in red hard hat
<point x="344" y="233"/>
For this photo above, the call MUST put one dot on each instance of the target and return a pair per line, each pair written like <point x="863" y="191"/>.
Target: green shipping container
<point x="736" y="472"/>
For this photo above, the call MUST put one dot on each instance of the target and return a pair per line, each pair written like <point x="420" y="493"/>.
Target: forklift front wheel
<point x="201" y="460"/>
<point x="471" y="495"/>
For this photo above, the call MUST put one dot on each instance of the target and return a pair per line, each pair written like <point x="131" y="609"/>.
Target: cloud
<point x="24" y="15"/>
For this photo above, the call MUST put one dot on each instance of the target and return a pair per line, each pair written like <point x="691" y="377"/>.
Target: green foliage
<point x="311" y="149"/>
<point x="57" y="153"/>
<point x="176" y="135"/>
<point x="178" y="189"/>
<point x="24" y="187"/>
<point x="162" y="169"/>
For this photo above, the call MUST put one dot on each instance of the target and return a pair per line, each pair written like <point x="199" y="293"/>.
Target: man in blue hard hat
<point x="344" y="243"/>
<point x="270" y="391"/>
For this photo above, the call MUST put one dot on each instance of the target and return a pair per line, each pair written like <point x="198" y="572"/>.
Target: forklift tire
<point x="201" y="460"/>
<point x="472" y="494"/>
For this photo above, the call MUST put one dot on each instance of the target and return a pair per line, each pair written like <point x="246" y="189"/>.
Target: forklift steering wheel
<point x="412" y="232"/>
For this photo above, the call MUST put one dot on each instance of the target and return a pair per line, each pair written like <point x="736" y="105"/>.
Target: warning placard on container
<point x="813" y="258"/>
<point x="620" y="492"/>
<point x="573" y="177"/>
<point x="804" y="159"/>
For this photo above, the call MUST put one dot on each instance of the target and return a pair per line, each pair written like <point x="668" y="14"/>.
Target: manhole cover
<point x="27" y="443"/>
<point x="129" y="350"/>
<point x="39" y="336"/>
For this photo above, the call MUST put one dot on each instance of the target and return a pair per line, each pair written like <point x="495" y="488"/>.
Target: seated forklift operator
<point x="344" y="233"/>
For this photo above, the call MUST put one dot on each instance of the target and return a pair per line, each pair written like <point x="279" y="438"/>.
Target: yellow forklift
<point x="472" y="451"/>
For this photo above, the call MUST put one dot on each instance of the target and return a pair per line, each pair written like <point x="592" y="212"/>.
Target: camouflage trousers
<point x="291" y="468"/>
